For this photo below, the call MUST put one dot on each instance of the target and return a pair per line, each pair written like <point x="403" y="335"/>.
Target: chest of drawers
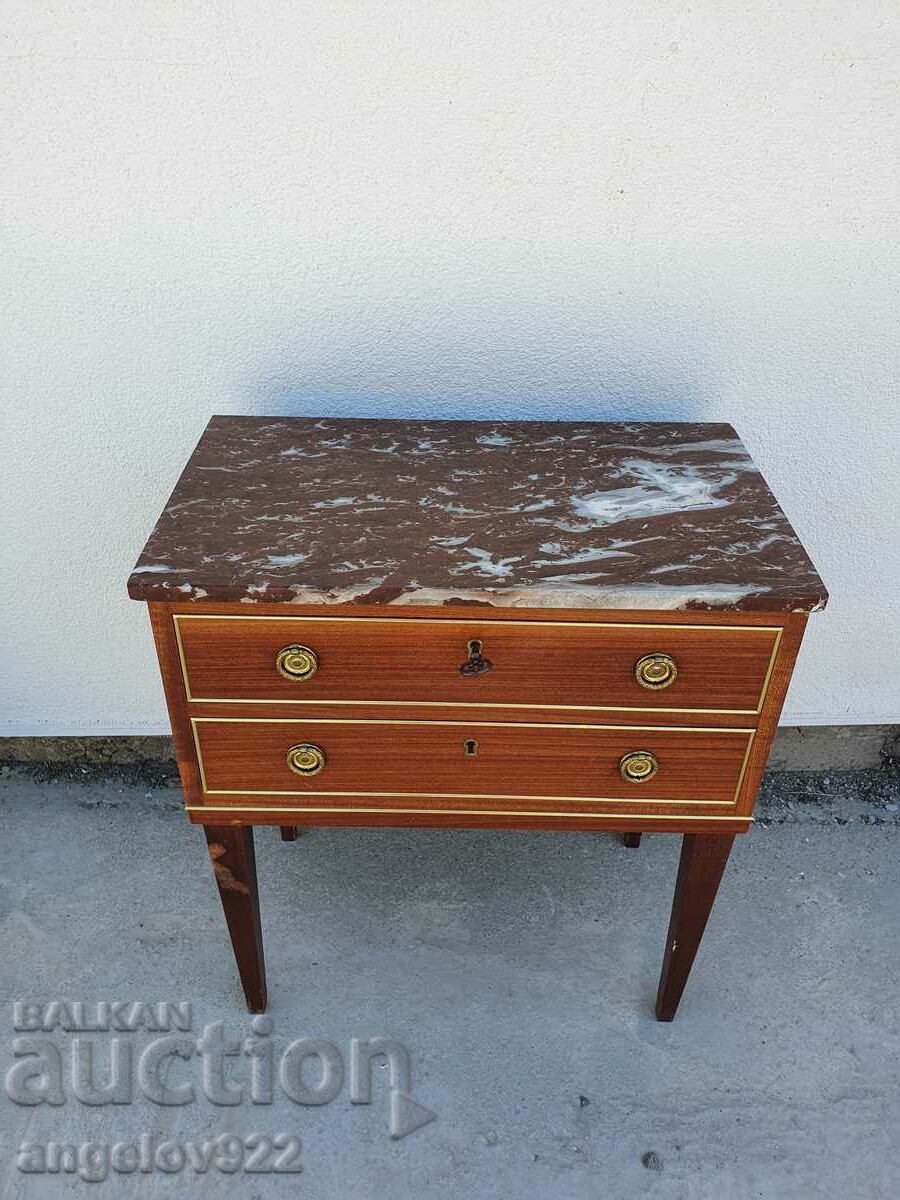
<point x="515" y="625"/>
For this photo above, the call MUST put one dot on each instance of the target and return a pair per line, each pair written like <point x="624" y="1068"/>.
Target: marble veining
<point x="511" y="514"/>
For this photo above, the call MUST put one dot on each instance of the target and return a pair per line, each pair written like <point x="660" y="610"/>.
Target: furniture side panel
<point x="771" y="711"/>
<point x="176" y="700"/>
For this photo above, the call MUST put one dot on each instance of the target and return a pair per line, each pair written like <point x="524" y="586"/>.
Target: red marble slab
<point x="512" y="514"/>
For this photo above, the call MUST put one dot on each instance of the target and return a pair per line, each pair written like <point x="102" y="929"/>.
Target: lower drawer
<point x="348" y="762"/>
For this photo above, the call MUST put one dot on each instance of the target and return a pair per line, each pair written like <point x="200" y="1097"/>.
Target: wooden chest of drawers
<point x="556" y="626"/>
<point x="558" y="721"/>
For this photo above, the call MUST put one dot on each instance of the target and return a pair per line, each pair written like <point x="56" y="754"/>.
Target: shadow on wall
<point x="535" y="360"/>
<point x="318" y="400"/>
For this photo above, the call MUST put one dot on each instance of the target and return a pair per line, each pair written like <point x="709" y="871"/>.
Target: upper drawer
<point x="540" y="664"/>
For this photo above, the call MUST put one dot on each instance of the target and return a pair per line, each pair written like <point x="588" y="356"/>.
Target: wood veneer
<point x="698" y="762"/>
<point x="542" y="663"/>
<point x="452" y="760"/>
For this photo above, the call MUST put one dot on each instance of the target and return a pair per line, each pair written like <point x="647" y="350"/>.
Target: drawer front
<point x="584" y="665"/>
<point x="351" y="761"/>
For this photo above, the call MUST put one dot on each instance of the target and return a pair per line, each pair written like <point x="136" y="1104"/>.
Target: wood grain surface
<point x="544" y="663"/>
<point x="468" y="759"/>
<point x="695" y="801"/>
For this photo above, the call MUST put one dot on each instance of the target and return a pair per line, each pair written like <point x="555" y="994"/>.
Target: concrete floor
<point x="518" y="969"/>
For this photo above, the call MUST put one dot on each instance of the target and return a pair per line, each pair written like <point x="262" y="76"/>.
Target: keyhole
<point x="470" y="747"/>
<point x="476" y="663"/>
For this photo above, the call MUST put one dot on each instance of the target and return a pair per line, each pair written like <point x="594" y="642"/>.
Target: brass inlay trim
<point x="771" y="667"/>
<point x="742" y="712"/>
<point x="740" y="782"/>
<point x="195" y="721"/>
<point x="453" y="812"/>
<point x="728" y="712"/>
<point x="460" y="724"/>
<point x="199" y="616"/>
<point x="471" y="796"/>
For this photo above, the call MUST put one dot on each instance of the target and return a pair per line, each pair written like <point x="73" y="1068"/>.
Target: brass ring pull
<point x="638" y="766"/>
<point x="297" y="662"/>
<point x="306" y="759"/>
<point x="655" y="671"/>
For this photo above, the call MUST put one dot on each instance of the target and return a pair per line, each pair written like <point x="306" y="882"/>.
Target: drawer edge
<point x="749" y="734"/>
<point x="646" y="801"/>
<point x="234" y="814"/>
<point x="776" y="629"/>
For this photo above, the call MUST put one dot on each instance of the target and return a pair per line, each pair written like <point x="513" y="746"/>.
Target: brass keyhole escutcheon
<point x="297" y="663"/>
<point x="476" y="663"/>
<point x="470" y="748"/>
<point x="638" y="766"/>
<point x="655" y="671"/>
<point x="306" y="759"/>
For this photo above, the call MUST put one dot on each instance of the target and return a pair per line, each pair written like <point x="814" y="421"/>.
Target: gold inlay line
<point x="777" y="630"/>
<point x="195" y="721"/>
<point x="524" y="622"/>
<point x="467" y="796"/>
<point x="628" y="708"/>
<point x="286" y="811"/>
<point x="699" y="729"/>
<point x="740" y="782"/>
<point x="771" y="667"/>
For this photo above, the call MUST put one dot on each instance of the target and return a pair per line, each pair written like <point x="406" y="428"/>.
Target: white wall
<point x="438" y="209"/>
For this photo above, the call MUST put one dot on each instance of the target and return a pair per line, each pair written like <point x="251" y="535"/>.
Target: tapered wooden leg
<point x="234" y="865"/>
<point x="632" y="840"/>
<point x="289" y="833"/>
<point x="703" y="859"/>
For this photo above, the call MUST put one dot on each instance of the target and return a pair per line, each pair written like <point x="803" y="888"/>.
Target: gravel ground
<point x="518" y="969"/>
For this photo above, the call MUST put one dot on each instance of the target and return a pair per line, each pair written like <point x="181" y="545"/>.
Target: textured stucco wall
<point x="456" y="209"/>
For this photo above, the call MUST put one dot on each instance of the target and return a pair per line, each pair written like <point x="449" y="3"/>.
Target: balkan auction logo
<point x="113" y="1067"/>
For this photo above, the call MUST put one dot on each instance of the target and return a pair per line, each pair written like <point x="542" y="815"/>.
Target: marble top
<point x="512" y="514"/>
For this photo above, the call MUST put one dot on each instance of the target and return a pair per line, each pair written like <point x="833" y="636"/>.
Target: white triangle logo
<point x="407" y="1115"/>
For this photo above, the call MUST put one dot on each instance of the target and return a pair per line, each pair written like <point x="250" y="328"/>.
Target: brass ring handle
<point x="306" y="759"/>
<point x="655" y="671"/>
<point x="638" y="766"/>
<point x="297" y="663"/>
